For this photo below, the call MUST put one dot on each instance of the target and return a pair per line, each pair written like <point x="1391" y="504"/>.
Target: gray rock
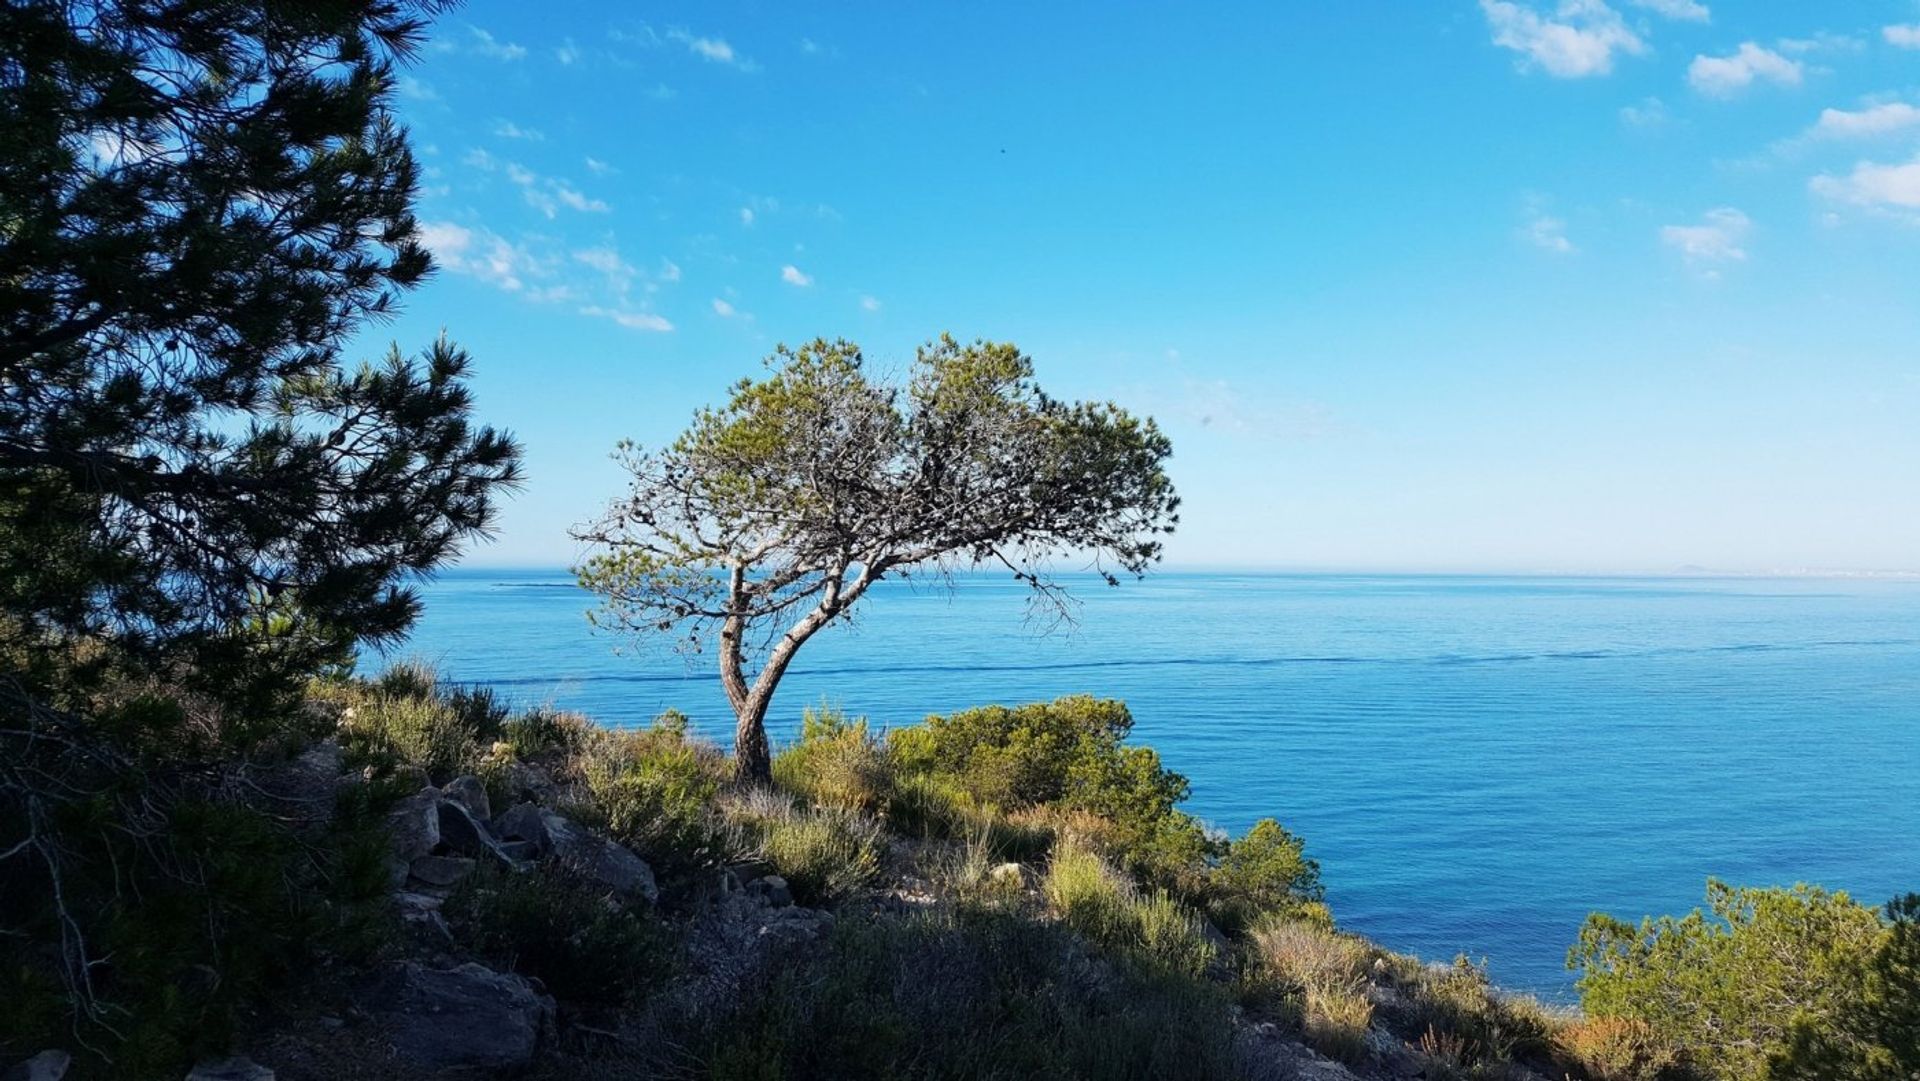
<point x="524" y="821"/>
<point x="49" y="1065"/>
<point x="1012" y="874"/>
<point x="413" y="829"/>
<point x="304" y="790"/>
<point x="773" y="889"/>
<point x="442" y="870"/>
<point x="468" y="792"/>
<point x="464" y="834"/>
<point x="237" y="1068"/>
<point x="468" y="1017"/>
<point x="522" y="851"/>
<point x="599" y="860"/>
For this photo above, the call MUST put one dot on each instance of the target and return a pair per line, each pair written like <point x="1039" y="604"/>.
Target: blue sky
<point x="1461" y="285"/>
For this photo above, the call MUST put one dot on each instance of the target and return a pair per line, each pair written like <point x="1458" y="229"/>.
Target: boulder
<point x="413" y="830"/>
<point x="520" y="851"/>
<point x="303" y="790"/>
<point x="1012" y="875"/>
<point x="599" y="860"/>
<point x="469" y="793"/>
<point x="237" y="1068"/>
<point x="524" y="822"/>
<point x="469" y="1017"/>
<point x="463" y="833"/>
<point x="442" y="870"/>
<point x="773" y="889"/>
<point x="49" y="1065"/>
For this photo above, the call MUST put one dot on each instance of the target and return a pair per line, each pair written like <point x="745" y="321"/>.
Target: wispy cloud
<point x="1545" y="231"/>
<point x="567" y="52"/>
<point x="632" y="320"/>
<point x="1885" y="118"/>
<point x="1874" y="185"/>
<point x="870" y="303"/>
<point x="507" y="129"/>
<point x="485" y="255"/>
<point x="1578" y="40"/>
<point x="746" y="215"/>
<point x="546" y="194"/>
<point x="485" y="44"/>
<point x="414" y="90"/>
<point x="1902" y="35"/>
<point x="1680" y="10"/>
<point x="723" y="309"/>
<point x="714" y="49"/>
<point x="599" y="168"/>
<point x="1648" y="113"/>
<point x="1726" y="76"/>
<point x="1719" y="238"/>
<point x="793" y="275"/>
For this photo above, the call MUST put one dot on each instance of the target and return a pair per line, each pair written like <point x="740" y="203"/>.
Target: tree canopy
<point x="774" y="514"/>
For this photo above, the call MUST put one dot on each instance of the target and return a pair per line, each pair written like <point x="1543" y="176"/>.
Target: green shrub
<point x="836" y="762"/>
<point x="408" y="716"/>
<point x="654" y="790"/>
<point x="1729" y="986"/>
<point x="541" y="731"/>
<point x="1310" y="975"/>
<point x="824" y="853"/>
<point x="937" y="808"/>
<point x="1264" y="873"/>
<point x="1875" y="1034"/>
<point x="1105" y="908"/>
<point x="1461" y="1003"/>
<point x="559" y="930"/>
<point x="964" y="994"/>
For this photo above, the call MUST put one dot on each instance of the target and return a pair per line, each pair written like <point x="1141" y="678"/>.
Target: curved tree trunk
<point x="752" y="757"/>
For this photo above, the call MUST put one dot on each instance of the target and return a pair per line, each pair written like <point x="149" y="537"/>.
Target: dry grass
<point x="1616" y="1049"/>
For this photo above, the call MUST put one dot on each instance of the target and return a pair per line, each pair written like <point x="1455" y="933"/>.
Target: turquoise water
<point x="1476" y="762"/>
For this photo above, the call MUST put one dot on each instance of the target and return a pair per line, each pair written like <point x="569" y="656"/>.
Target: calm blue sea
<point x="1476" y="762"/>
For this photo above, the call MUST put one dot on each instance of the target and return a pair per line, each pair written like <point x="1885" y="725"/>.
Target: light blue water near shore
<point x="1476" y="762"/>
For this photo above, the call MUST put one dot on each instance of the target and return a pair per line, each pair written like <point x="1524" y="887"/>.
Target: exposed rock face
<point x="50" y="1065"/>
<point x="773" y="889"/>
<point x="469" y="1017"/>
<point x="442" y="870"/>
<point x="469" y="793"/>
<point x="237" y="1068"/>
<point x="302" y="791"/>
<point x="413" y="828"/>
<point x="600" y="860"/>
<point x="463" y="833"/>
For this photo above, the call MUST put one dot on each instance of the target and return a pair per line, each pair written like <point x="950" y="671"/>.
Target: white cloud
<point x="415" y="90"/>
<point x="1691" y="11"/>
<point x="746" y="215"/>
<point x="715" y="49"/>
<point x="792" y="276"/>
<point x="669" y="270"/>
<point x="507" y="129"/>
<point x="1902" y="35"/>
<point x="870" y="303"/>
<point x="1872" y="184"/>
<point x="632" y="320"/>
<point x="723" y="309"/>
<point x="1650" y="113"/>
<point x="572" y="197"/>
<point x="567" y="52"/>
<point x="482" y="254"/>
<point x="1546" y="232"/>
<point x="809" y="46"/>
<point x="1725" y="76"/>
<point x="600" y="168"/>
<point x="1881" y="119"/>
<point x="1577" y="40"/>
<point x="489" y="46"/>
<point x="1825" y="41"/>
<point x="544" y="193"/>
<point x="1717" y="239"/>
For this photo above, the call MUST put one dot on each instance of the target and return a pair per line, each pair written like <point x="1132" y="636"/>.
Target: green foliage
<point x="825" y="853"/>
<point x="836" y="762"/>
<point x="1875" y="1034"/>
<point x="1730" y="985"/>
<point x="1153" y="930"/>
<point x="543" y="731"/>
<point x="561" y="931"/>
<point x="1265" y="872"/>
<point x="1067" y="754"/>
<point x="965" y="994"/>
<point x="408" y="716"/>
<point x="1315" y="978"/>
<point x="654" y="790"/>
<point x="968" y="462"/>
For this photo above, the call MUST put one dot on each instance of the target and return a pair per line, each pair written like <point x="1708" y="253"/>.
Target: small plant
<point x="1617" y="1049"/>
<point x="1448" y="1054"/>
<point x="824" y="853"/>
<point x="559" y="930"/>
<point x="1098" y="903"/>
<point x="837" y="762"/>
<point x="1336" y="1019"/>
<point x="654" y="790"/>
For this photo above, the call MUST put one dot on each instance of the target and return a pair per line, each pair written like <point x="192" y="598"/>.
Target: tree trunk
<point x="752" y="758"/>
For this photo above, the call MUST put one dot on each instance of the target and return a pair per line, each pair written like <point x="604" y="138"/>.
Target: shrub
<point x="836" y="762"/>
<point x="1155" y="930"/>
<point x="964" y="993"/>
<point x="1728" y="987"/>
<point x="1617" y="1049"/>
<point x="1335" y="1021"/>
<point x="1876" y="1033"/>
<point x="407" y="715"/>
<point x="1460" y="1001"/>
<point x="540" y="731"/>
<point x="824" y="853"/>
<point x="560" y="930"/>
<point x="654" y="789"/>
<point x="1318" y="977"/>
<point x="1265" y="872"/>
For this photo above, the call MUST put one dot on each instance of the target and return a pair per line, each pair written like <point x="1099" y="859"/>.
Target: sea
<point x="1477" y="763"/>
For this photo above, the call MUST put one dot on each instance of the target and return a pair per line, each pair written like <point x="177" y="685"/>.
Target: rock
<point x="599" y="860"/>
<point x="410" y="902"/>
<point x="414" y="825"/>
<point x="773" y="889"/>
<point x="468" y="792"/>
<point x="526" y="781"/>
<point x="237" y="1068"/>
<point x="463" y="833"/>
<point x="521" y="851"/>
<point x="442" y="870"/>
<point x="524" y="821"/>
<point x="304" y="790"/>
<point x="1015" y="875"/>
<point x="48" y="1065"/>
<point x="469" y="1017"/>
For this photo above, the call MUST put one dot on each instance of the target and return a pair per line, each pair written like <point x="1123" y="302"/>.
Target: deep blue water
<point x="1476" y="762"/>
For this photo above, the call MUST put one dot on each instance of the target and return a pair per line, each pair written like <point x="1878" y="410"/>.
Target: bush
<point x="408" y="716"/>
<point x="824" y="853"/>
<point x="1264" y="873"/>
<point x="560" y="930"/>
<point x="836" y="762"/>
<point x="541" y="731"/>
<point x="961" y="994"/>
<point x="1460" y="1002"/>
<point x="1154" y="930"/>
<point x="654" y="791"/>
<point x="1876" y="1033"/>
<point x="1730" y="986"/>
<point x="1617" y="1049"/>
<point x="1317" y="978"/>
